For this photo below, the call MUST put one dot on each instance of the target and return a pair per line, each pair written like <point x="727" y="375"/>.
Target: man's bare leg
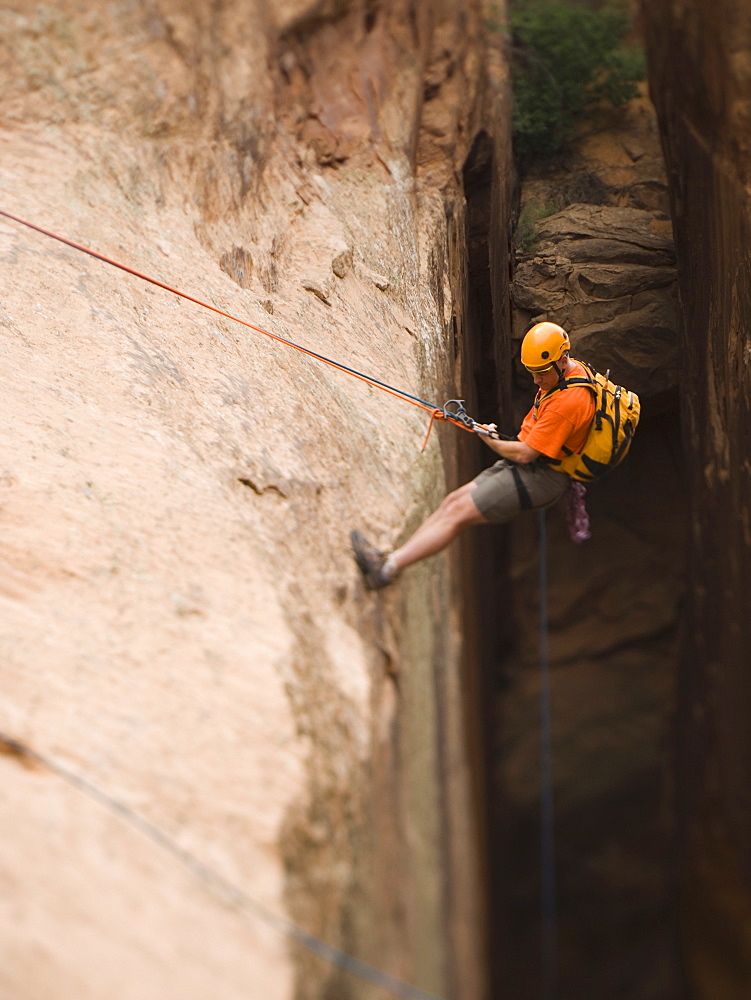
<point x="457" y="511"/>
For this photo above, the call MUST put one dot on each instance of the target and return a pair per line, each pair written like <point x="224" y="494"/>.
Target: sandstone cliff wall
<point x="185" y="635"/>
<point x="700" y="72"/>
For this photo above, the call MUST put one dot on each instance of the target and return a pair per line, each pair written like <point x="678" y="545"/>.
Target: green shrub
<point x="526" y="237"/>
<point x="567" y="58"/>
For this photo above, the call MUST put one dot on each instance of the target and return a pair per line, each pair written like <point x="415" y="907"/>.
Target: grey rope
<point x="549" y="924"/>
<point x="233" y="893"/>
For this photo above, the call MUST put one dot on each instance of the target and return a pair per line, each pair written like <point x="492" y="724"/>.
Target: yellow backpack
<point x="616" y="416"/>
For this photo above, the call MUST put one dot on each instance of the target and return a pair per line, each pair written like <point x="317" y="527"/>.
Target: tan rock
<point x="318" y="290"/>
<point x="238" y="264"/>
<point x="342" y="263"/>
<point x="188" y="643"/>
<point x="379" y="280"/>
<point x="605" y="273"/>
<point x="704" y="120"/>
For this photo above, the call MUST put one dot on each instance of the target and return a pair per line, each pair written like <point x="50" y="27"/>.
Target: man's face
<point x="546" y="380"/>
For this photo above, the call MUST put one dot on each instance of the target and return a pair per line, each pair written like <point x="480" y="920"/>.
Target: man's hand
<point x="488" y="427"/>
<point x="515" y="451"/>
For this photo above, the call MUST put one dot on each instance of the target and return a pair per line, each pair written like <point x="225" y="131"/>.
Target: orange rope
<point x="433" y="415"/>
<point x="435" y="411"/>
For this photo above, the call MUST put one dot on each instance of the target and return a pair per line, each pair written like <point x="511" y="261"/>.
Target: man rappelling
<point x="533" y="470"/>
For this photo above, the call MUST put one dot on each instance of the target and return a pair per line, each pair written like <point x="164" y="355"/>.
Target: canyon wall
<point x="700" y="78"/>
<point x="601" y="263"/>
<point x="206" y="720"/>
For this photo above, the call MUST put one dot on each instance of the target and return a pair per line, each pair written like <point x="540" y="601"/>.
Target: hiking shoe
<point x="370" y="561"/>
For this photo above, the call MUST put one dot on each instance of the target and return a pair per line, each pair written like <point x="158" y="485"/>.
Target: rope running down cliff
<point x="458" y="417"/>
<point x="548" y="914"/>
<point x="231" y="892"/>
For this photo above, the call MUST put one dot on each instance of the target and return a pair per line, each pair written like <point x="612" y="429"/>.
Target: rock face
<point x="214" y="711"/>
<point x="607" y="275"/>
<point x="594" y="249"/>
<point x="705" y="119"/>
<point x="603" y="266"/>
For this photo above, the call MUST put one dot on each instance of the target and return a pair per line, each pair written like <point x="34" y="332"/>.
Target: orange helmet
<point x="543" y="345"/>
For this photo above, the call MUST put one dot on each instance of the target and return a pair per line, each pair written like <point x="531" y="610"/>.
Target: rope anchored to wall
<point x="459" y="417"/>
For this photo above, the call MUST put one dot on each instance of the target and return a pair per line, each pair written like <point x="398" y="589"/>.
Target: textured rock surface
<point x="184" y="628"/>
<point x="606" y="274"/>
<point x="605" y="268"/>
<point x="601" y="260"/>
<point x="705" y="118"/>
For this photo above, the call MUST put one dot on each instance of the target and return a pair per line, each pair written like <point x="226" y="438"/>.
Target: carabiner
<point x="458" y="414"/>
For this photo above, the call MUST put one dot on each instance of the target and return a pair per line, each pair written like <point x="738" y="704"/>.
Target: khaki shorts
<point x="498" y="490"/>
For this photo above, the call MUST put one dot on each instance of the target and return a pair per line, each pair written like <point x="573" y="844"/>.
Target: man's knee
<point x="460" y="507"/>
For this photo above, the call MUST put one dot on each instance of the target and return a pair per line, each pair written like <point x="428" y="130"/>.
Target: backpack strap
<point x="564" y="384"/>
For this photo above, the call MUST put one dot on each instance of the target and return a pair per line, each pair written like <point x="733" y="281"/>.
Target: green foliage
<point x="567" y="58"/>
<point x="526" y="237"/>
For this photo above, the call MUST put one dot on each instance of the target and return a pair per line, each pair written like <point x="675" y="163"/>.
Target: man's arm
<point x="515" y="451"/>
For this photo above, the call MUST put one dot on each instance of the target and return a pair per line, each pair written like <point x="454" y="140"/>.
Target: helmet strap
<point x="561" y="372"/>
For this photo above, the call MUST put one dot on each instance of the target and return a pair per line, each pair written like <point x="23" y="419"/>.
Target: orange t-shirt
<point x="562" y="420"/>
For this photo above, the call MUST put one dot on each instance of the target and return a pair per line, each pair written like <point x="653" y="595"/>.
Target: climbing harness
<point x="548" y="914"/>
<point x="525" y="500"/>
<point x="459" y="418"/>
